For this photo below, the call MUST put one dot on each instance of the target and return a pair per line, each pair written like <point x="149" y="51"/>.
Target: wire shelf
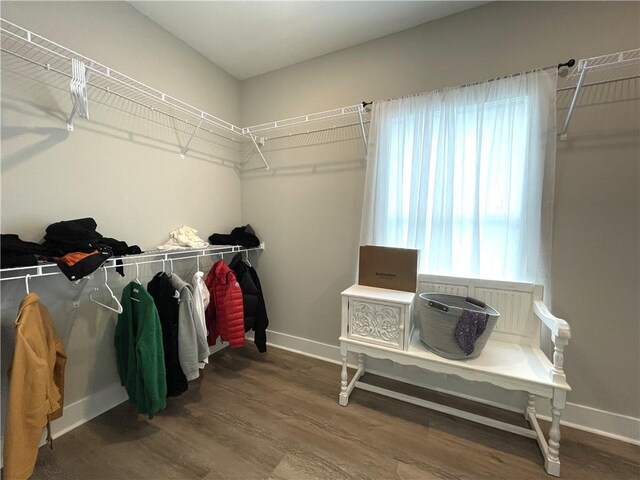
<point x="335" y="115"/>
<point x="39" y="51"/>
<point x="37" y="57"/>
<point x="588" y="72"/>
<point x="44" y="269"/>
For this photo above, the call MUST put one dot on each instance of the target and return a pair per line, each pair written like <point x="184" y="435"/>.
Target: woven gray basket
<point x="439" y="315"/>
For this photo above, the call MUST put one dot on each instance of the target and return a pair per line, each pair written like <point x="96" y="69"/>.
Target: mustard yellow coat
<point x="36" y="387"/>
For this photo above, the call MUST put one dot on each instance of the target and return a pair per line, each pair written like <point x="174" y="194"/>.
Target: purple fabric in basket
<point x="469" y="327"/>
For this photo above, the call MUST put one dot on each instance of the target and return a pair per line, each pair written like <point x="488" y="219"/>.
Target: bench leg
<point x="361" y="362"/>
<point x="530" y="409"/>
<point x="552" y="462"/>
<point x="343" y="399"/>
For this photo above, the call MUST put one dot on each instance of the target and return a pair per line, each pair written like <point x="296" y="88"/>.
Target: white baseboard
<point x="83" y="410"/>
<point x="581" y="417"/>
<point x="87" y="408"/>
<point x="217" y="347"/>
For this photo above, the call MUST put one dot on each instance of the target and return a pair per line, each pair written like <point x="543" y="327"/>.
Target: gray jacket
<point x="187" y="337"/>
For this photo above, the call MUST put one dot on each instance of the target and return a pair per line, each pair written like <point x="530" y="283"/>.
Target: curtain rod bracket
<point x="569" y="63"/>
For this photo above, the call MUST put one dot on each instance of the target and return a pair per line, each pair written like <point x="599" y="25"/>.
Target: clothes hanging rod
<point x="168" y="255"/>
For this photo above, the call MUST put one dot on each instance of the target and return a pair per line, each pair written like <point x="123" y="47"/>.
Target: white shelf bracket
<point x="261" y="142"/>
<point x="572" y="106"/>
<point x="193" y="134"/>
<point x="364" y="134"/>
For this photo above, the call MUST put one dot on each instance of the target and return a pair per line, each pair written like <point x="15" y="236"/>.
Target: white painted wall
<point x="311" y="220"/>
<point x="121" y="167"/>
<point x="125" y="171"/>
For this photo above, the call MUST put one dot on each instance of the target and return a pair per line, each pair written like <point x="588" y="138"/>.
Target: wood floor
<point x="276" y="416"/>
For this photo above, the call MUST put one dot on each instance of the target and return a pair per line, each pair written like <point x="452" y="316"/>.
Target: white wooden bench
<point x="377" y="323"/>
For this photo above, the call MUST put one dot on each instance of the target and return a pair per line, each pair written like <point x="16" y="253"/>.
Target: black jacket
<point x="164" y="296"/>
<point x="15" y="252"/>
<point x="80" y="235"/>
<point x="244" y="236"/>
<point x="255" y="310"/>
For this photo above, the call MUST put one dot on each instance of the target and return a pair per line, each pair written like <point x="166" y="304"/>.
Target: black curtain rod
<point x="569" y="63"/>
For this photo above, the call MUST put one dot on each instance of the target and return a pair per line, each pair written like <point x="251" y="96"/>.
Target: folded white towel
<point x="183" y="237"/>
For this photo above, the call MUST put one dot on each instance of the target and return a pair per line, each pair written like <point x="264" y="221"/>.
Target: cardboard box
<point x="385" y="267"/>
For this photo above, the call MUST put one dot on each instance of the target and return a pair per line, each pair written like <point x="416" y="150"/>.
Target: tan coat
<point x="36" y="387"/>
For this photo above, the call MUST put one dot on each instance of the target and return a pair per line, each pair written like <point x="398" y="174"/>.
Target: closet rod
<point x="569" y="63"/>
<point x="51" y="69"/>
<point x="206" y="252"/>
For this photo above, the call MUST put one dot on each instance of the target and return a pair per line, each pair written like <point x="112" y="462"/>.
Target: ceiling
<point x="251" y="38"/>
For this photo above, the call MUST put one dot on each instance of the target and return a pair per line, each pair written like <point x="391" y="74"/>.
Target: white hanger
<point x="171" y="264"/>
<point x="246" y="258"/>
<point x="26" y="282"/>
<point x="137" y="279"/>
<point x="118" y="309"/>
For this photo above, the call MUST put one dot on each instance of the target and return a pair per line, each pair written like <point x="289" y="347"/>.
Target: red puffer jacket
<point x="224" y="315"/>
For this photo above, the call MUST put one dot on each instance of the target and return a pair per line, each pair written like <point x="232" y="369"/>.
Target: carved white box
<point x="377" y="315"/>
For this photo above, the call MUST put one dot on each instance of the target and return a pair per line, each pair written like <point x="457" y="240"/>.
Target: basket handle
<point x="438" y="305"/>
<point x="476" y="302"/>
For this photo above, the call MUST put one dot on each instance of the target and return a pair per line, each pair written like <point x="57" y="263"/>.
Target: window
<point x="459" y="175"/>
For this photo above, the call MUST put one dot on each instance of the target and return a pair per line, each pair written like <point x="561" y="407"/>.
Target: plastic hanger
<point x="26" y="282"/>
<point x="246" y="258"/>
<point x="137" y="279"/>
<point x="75" y="69"/>
<point x="118" y="309"/>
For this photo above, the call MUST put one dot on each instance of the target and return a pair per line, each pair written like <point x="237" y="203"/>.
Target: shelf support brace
<point x="80" y="284"/>
<point x="574" y="100"/>
<point x="193" y="134"/>
<point x="253" y="139"/>
<point x="364" y="134"/>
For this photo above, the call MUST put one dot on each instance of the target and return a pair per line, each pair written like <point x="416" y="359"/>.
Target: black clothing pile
<point x="244" y="236"/>
<point x="15" y="252"/>
<point x="255" y="310"/>
<point x="74" y="245"/>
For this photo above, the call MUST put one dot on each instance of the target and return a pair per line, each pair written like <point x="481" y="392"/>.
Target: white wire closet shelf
<point x="47" y="269"/>
<point x="44" y="269"/>
<point x="344" y="123"/>
<point x="39" y="57"/>
<point x="613" y="67"/>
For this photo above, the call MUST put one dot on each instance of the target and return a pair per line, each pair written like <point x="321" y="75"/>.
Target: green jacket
<point x="139" y="350"/>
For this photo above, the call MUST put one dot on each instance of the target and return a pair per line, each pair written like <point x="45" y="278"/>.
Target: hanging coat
<point x="200" y="303"/>
<point x="139" y="350"/>
<point x="255" y="310"/>
<point x="224" y="315"/>
<point x="187" y="335"/>
<point x="166" y="298"/>
<point x="36" y="387"/>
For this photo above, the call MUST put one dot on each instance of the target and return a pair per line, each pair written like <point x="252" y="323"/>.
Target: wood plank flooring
<point x="276" y="416"/>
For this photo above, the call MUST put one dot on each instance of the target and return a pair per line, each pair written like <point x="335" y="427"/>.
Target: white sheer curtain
<point x="466" y="175"/>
